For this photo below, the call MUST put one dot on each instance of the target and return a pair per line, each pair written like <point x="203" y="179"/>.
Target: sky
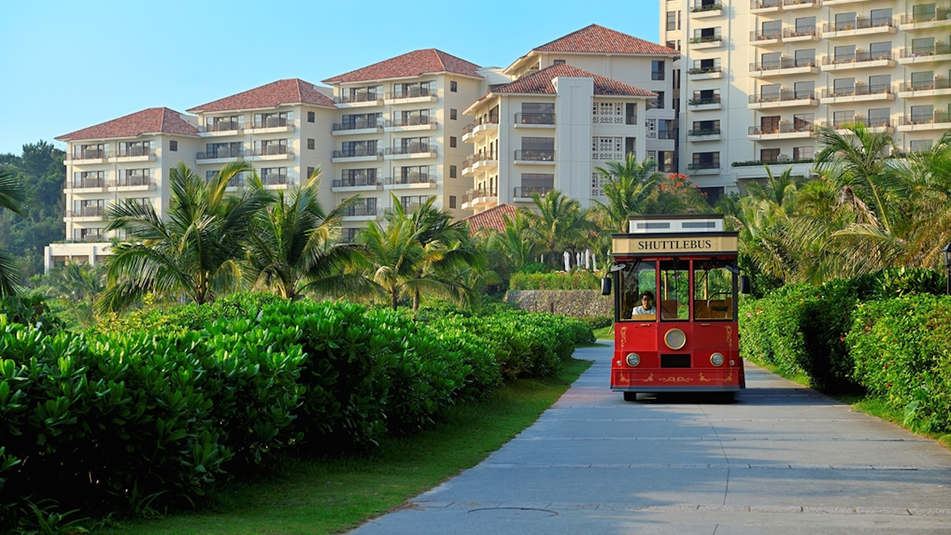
<point x="67" y="65"/>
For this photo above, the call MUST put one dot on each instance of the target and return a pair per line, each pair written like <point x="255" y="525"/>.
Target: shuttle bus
<point x="676" y="282"/>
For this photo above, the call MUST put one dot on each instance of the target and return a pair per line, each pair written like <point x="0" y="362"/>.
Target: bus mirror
<point x="745" y="287"/>
<point x="606" y="286"/>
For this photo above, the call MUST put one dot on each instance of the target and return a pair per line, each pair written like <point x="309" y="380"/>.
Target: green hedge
<point x="108" y="421"/>
<point x="901" y="352"/>
<point x="572" y="280"/>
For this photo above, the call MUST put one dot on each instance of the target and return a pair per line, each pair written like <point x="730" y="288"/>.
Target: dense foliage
<point x="559" y="280"/>
<point x="161" y="408"/>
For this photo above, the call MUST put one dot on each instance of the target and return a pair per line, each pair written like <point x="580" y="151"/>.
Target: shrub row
<point x="572" y="280"/>
<point x="108" y="421"/>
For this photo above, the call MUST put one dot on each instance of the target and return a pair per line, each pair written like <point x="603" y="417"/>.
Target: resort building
<point x="759" y="75"/>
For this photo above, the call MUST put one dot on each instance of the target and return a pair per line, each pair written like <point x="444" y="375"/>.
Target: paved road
<point x="782" y="459"/>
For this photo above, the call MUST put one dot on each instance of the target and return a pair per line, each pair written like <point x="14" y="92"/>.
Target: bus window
<point x="633" y="282"/>
<point x="673" y="300"/>
<point x="712" y="291"/>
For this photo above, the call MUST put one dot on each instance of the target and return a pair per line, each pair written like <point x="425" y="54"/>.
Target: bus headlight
<point x="716" y="359"/>
<point x="633" y="359"/>
<point x="675" y="339"/>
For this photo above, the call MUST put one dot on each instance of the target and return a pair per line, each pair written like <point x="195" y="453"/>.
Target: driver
<point x="646" y="306"/>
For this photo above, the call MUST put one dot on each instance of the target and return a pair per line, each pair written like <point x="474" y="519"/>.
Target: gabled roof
<point x="600" y="40"/>
<point x="272" y="95"/>
<point x="150" y="121"/>
<point x="540" y="82"/>
<point x="493" y="218"/>
<point x="410" y="65"/>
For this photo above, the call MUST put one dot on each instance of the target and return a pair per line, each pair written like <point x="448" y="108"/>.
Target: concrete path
<point x="782" y="459"/>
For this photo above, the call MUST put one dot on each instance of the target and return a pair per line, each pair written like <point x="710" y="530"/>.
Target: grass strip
<point x="332" y="495"/>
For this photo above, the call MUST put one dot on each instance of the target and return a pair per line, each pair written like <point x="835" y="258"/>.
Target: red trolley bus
<point x="675" y="306"/>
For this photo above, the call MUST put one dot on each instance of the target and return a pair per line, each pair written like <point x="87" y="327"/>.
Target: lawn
<point x="332" y="495"/>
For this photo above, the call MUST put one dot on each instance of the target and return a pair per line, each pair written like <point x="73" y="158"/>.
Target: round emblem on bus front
<point x="675" y="339"/>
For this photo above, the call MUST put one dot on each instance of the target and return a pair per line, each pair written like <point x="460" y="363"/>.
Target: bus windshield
<point x="713" y="290"/>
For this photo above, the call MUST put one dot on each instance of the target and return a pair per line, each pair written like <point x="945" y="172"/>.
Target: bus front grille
<point x="675" y="361"/>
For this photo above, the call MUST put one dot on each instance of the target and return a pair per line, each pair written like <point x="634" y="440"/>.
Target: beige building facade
<point x="759" y="75"/>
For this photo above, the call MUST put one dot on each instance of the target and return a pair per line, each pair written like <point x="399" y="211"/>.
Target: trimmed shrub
<point x="573" y="280"/>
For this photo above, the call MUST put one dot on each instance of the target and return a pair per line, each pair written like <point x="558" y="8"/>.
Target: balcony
<point x="272" y="124"/>
<point x="750" y="170"/>
<point x="479" y="198"/>
<point x="481" y="161"/>
<point x="938" y="120"/>
<point x="87" y="156"/>
<point x="220" y="128"/>
<point x="535" y="156"/>
<point x="359" y="126"/>
<point x="411" y="181"/>
<point x="534" y="119"/>
<point x="783" y="67"/>
<point x="86" y="213"/>
<point x="703" y="42"/>
<point x="704" y="168"/>
<point x="699" y="10"/>
<point x="361" y="154"/>
<point x="705" y="73"/>
<point x="359" y="99"/>
<point x="861" y="59"/>
<point x="795" y="35"/>
<point x="473" y="132"/>
<point x="133" y="154"/>
<point x="861" y="26"/>
<point x="925" y="21"/>
<point x="413" y="122"/>
<point x="800" y="4"/>
<point x="938" y="52"/>
<point x="133" y="183"/>
<point x="85" y="185"/>
<point x="411" y="96"/>
<point x="361" y="213"/>
<point x="356" y="183"/>
<point x="858" y="93"/>
<point x="927" y="89"/>
<point x="758" y="38"/>
<point x="703" y="134"/>
<point x="220" y="154"/>
<point x="786" y="98"/>
<point x="765" y="6"/>
<point x="704" y="103"/>
<point x="524" y="193"/>
<point x="784" y="130"/>
<point x="411" y="150"/>
<point x="275" y="152"/>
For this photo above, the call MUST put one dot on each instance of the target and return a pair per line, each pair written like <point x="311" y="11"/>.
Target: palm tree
<point x="560" y="223"/>
<point x="194" y="249"/>
<point x="294" y="244"/>
<point x="77" y="284"/>
<point x="627" y="185"/>
<point x="12" y="197"/>
<point x="516" y="242"/>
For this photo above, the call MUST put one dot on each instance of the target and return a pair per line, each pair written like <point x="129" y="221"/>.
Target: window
<point x="772" y="29"/>
<point x="310" y="143"/>
<point x="310" y="117"/>
<point x="657" y="70"/>
<point x="922" y="80"/>
<point x="880" y="84"/>
<point x="452" y="141"/>
<point x="923" y="46"/>
<point x="769" y="155"/>
<point x="537" y="149"/>
<point x="843" y="87"/>
<point x="453" y="86"/>
<point x="452" y="201"/>
<point x="770" y="124"/>
<point x="881" y="50"/>
<point x="840" y="118"/>
<point x="558" y="62"/>
<point x="713" y="290"/>
<point x="310" y="172"/>
<point x="803" y="122"/>
<point x="922" y="114"/>
<point x="844" y="54"/>
<point x="705" y="160"/>
<point x="772" y="60"/>
<point x="878" y="117"/>
<point x="770" y="93"/>
<point x="806" y="58"/>
<point x="806" y="26"/>
<point x="452" y="113"/>
<point x="671" y="20"/>
<point x="540" y="183"/>
<point x="173" y="146"/>
<point x="844" y="21"/>
<point x="659" y="101"/>
<point x="881" y="17"/>
<point x="452" y="171"/>
<point x="803" y="153"/>
<point x="920" y="145"/>
<point x="805" y="90"/>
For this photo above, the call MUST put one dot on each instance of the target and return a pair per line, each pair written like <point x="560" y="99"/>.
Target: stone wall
<point x="573" y="303"/>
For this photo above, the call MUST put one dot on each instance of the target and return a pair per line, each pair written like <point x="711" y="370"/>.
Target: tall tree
<point x="196" y="246"/>
<point x="12" y="197"/>
<point x="560" y="223"/>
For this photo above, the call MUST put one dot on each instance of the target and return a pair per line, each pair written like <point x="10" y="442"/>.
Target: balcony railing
<point x="356" y="153"/>
<point x="699" y="101"/>
<point x="89" y="154"/>
<point x="527" y="191"/>
<point x="698" y="166"/>
<point x="135" y="180"/>
<point x="858" y="90"/>
<point x="763" y="4"/>
<point x="783" y="63"/>
<point x="861" y="23"/>
<point x="937" y="49"/>
<point x="361" y="96"/>
<point x="800" y="2"/>
<point x="705" y="70"/>
<point x="413" y="120"/>
<point x="361" y="211"/>
<point x="534" y="155"/>
<point x="412" y="148"/>
<point x="358" y="124"/>
<point x="88" y="238"/>
<point x="926" y="85"/>
<point x="220" y="153"/>
<point x="783" y="96"/>
<point x="472" y="159"/>
<point x="271" y="122"/>
<point x="413" y="92"/>
<point x="699" y="7"/>
<point x="132" y="152"/>
<point x="703" y="39"/>
<point x="803" y="31"/>
<point x="757" y="35"/>
<point x="858" y="57"/>
<point x="272" y="150"/>
<point x="704" y="132"/>
<point x="411" y="178"/>
<point x="83" y="183"/>
<point x="473" y="194"/>
<point x="781" y="128"/>
<point x="274" y="179"/>
<point x="222" y="126"/>
<point x="359" y="181"/>
<point x="937" y="117"/>
<point x="534" y="118"/>
<point x="941" y="13"/>
<point x="468" y="129"/>
<point x="86" y="211"/>
<point x="667" y="134"/>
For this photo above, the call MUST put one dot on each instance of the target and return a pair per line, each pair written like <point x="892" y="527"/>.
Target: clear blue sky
<point x="67" y="64"/>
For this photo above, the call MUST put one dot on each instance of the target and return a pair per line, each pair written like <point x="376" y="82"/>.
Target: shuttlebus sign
<point x="626" y="244"/>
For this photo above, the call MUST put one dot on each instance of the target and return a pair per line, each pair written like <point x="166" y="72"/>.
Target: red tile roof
<point x="540" y="82"/>
<point x="150" y="121"/>
<point x="493" y="218"/>
<point x="412" y="64"/>
<point x="272" y="95"/>
<point x="601" y="40"/>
